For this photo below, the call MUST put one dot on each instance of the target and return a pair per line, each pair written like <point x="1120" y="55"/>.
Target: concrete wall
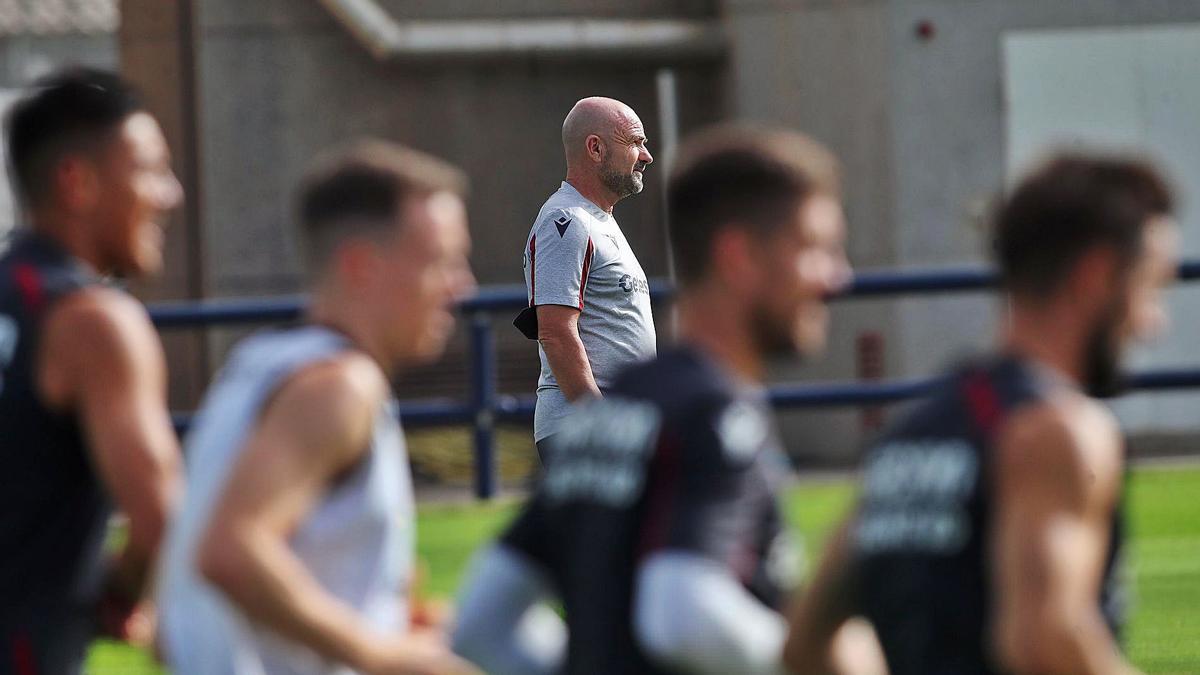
<point x="825" y="68"/>
<point x="282" y="81"/>
<point x="909" y="93"/>
<point x="156" y="55"/>
<point x="919" y="120"/>
<point x="277" y="81"/>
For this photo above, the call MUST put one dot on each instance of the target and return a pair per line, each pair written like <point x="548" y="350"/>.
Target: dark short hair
<point x="68" y="111"/>
<point x="360" y="190"/>
<point x="1066" y="207"/>
<point x="740" y="176"/>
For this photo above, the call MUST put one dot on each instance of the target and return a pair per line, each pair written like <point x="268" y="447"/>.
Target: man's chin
<point x="431" y="349"/>
<point x="806" y="344"/>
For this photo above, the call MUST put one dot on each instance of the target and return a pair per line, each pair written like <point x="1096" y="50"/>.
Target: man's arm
<point x="691" y="610"/>
<point x="558" y="333"/>
<point x="825" y="638"/>
<point x="559" y="262"/>
<point x="318" y="425"/>
<point x="691" y="613"/>
<point x="825" y="606"/>
<point x="1058" y="476"/>
<point x="102" y="359"/>
<point x="503" y="627"/>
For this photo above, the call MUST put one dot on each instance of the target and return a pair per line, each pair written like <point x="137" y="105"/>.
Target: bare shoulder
<point x="99" y="340"/>
<point x="98" y="317"/>
<point x="1068" y="441"/>
<point x="330" y="403"/>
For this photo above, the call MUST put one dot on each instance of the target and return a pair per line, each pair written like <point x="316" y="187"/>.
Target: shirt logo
<point x="630" y="284"/>
<point x="743" y="432"/>
<point x="562" y="223"/>
<point x="915" y="495"/>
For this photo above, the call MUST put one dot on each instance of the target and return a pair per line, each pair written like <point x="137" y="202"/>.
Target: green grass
<point x="1163" y="635"/>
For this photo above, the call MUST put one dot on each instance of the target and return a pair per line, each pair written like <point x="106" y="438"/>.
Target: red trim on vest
<point x="587" y="267"/>
<point x="983" y="402"/>
<point x="532" y="269"/>
<point x="22" y="655"/>
<point x="663" y="478"/>
<point x="29" y="283"/>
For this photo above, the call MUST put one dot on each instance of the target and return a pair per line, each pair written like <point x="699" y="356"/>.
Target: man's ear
<point x="595" y="148"/>
<point x="76" y="182"/>
<point x="734" y="263"/>
<point x="1096" y="274"/>
<point x="357" y="261"/>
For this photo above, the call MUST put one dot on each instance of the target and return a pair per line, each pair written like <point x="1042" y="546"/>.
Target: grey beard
<point x="622" y="184"/>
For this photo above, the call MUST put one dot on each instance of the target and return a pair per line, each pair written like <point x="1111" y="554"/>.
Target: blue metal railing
<point x="486" y="407"/>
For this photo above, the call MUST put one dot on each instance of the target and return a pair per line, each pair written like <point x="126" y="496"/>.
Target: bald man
<point x="589" y="303"/>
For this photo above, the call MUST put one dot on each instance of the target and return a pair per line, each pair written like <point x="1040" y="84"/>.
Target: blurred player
<point x="988" y="536"/>
<point x="83" y="410"/>
<point x="656" y="524"/>
<point x="294" y="550"/>
<point x="589" y="302"/>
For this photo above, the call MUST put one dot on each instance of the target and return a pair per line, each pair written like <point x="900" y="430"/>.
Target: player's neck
<point x="70" y="234"/>
<point x="1049" y="336"/>
<point x="592" y="190"/>
<point x="330" y="309"/>
<point x="720" y="335"/>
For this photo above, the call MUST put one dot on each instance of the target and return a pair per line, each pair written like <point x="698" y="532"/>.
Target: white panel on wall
<point x="1120" y="88"/>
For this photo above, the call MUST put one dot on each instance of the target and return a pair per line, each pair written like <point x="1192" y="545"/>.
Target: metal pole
<point x="483" y="404"/>
<point x="668" y="125"/>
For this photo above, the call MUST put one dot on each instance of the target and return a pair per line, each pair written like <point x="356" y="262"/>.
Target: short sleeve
<point x="560" y="257"/>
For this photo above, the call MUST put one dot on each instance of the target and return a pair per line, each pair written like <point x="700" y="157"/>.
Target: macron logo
<point x="562" y="223"/>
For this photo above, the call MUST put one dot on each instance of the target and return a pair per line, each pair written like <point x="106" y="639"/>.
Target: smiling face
<point x="423" y="273"/>
<point x="1133" y="310"/>
<point x="135" y="188"/>
<point x="800" y="265"/>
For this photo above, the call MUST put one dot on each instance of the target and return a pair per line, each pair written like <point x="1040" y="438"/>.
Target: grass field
<point x="1164" y="509"/>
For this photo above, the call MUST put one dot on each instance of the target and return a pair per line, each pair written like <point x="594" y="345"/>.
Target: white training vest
<point x="358" y="541"/>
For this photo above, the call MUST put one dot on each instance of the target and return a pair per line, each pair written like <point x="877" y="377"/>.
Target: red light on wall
<point x="925" y="30"/>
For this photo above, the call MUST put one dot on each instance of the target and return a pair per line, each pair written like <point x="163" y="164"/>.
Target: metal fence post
<point x="483" y="403"/>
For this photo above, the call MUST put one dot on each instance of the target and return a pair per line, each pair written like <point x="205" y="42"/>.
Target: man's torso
<point x="921" y="537"/>
<point x="55" y="508"/>
<point x="572" y="237"/>
<point x="357" y="541"/>
<point x="630" y="479"/>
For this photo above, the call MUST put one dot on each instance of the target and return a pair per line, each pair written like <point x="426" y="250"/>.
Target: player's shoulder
<point x="1065" y="434"/>
<point x="335" y="398"/>
<point x="347" y="378"/>
<point x="676" y="379"/>
<point x="564" y="221"/>
<point x="701" y="405"/>
<point x="100" y="318"/>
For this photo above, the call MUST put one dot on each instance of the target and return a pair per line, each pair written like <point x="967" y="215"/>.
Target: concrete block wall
<point x="910" y="94"/>
<point x="278" y="81"/>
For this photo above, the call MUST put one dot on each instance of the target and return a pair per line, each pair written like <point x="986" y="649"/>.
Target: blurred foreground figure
<point x="656" y="524"/>
<point x="988" y="535"/>
<point x="294" y="550"/>
<point x="83" y="410"/>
